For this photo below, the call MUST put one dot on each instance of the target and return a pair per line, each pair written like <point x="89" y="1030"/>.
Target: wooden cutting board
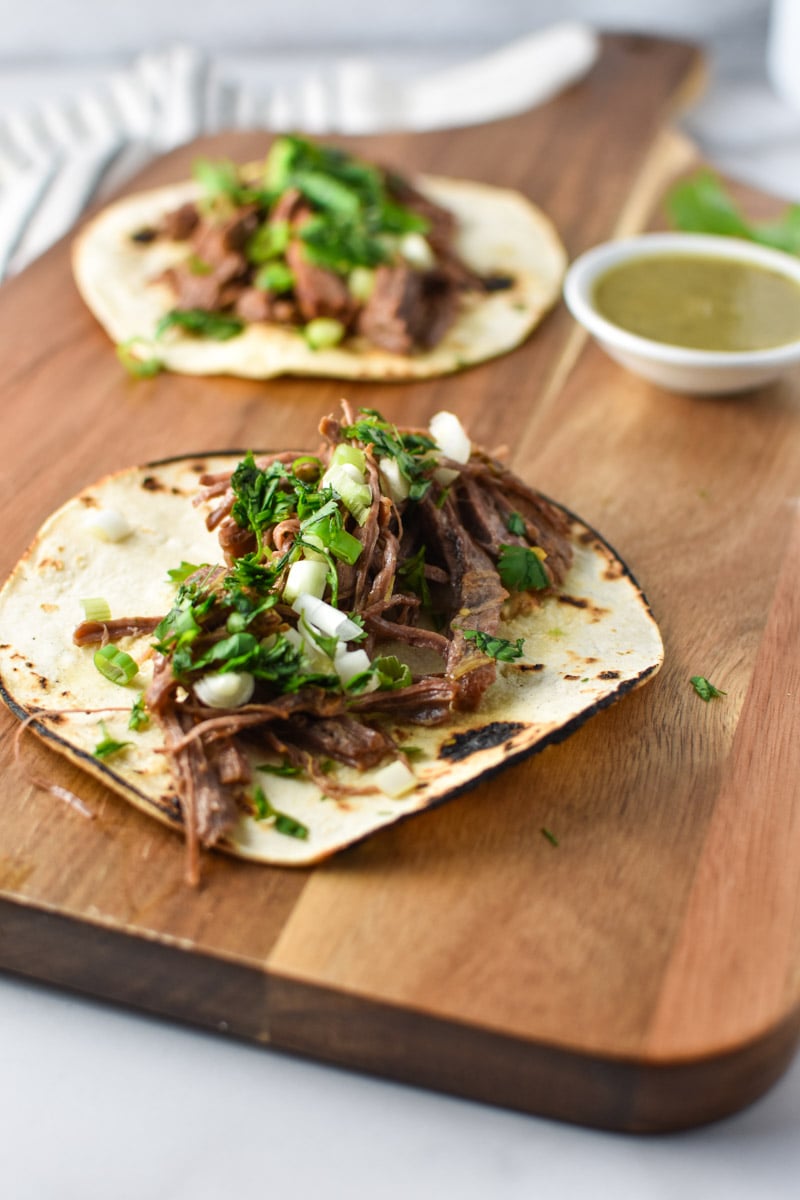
<point x="645" y="973"/>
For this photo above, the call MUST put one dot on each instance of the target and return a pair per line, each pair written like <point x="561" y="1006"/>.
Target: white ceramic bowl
<point x="676" y="367"/>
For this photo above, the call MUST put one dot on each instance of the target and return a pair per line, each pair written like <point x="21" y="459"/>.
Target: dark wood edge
<point x="350" y="1030"/>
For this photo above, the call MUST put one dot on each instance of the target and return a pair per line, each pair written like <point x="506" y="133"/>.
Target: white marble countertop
<point x="98" y="1103"/>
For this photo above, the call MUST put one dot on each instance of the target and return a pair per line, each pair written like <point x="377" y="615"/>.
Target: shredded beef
<point x="90" y="632"/>
<point x="319" y="292"/>
<point x="408" y="309"/>
<point x="180" y="223"/>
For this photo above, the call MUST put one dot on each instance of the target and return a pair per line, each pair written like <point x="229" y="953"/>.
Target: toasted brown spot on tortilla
<point x="530" y="666"/>
<point x="151" y="483"/>
<point x="55" y="563"/>
<point x="470" y="741"/>
<point x="571" y="676"/>
<point x="49" y="608"/>
<point x="614" y="569"/>
<point x="575" y="601"/>
<point x="608" y="675"/>
<point x="88" y="501"/>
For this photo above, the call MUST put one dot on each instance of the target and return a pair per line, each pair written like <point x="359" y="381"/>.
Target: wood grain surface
<point x="644" y="974"/>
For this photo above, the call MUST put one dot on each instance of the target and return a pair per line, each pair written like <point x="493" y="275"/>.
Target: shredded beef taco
<point x="281" y="654"/>
<point x="315" y="263"/>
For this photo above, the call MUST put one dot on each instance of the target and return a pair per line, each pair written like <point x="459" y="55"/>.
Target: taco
<point x="347" y="638"/>
<point x="316" y="263"/>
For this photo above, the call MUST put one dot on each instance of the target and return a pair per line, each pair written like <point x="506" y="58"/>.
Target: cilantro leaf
<point x="412" y="572"/>
<point x="700" y="204"/>
<point x="181" y="574"/>
<point x="140" y="717"/>
<point x="496" y="647"/>
<point x="520" y="569"/>
<point x="411" y="451"/>
<point x="282" y="822"/>
<point x="284" y="770"/>
<point x="220" y="327"/>
<point x="705" y="689"/>
<point x="515" y="524"/>
<point x="108" y="746"/>
<point x="391" y="673"/>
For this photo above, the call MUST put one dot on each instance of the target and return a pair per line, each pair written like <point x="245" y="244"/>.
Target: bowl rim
<point x="585" y="269"/>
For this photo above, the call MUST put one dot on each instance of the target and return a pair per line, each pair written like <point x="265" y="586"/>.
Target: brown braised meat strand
<point x="181" y="223"/>
<point x="90" y="632"/>
<point x="211" y="291"/>
<point x="235" y="541"/>
<point x="425" y="702"/>
<point x="254" y="304"/>
<point x="545" y="525"/>
<point x="477" y="598"/>
<point x="441" y="222"/>
<point x="484" y="519"/>
<point x="342" y="738"/>
<point x="291" y="205"/>
<point x="319" y="292"/>
<point x="208" y="806"/>
<point x="230" y="762"/>
<point x="412" y="635"/>
<point x="214" y="240"/>
<point x="408" y="310"/>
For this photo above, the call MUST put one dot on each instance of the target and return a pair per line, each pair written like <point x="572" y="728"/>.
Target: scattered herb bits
<point x="705" y="688"/>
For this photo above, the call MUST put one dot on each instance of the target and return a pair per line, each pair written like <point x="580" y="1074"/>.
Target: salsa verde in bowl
<point x="691" y="312"/>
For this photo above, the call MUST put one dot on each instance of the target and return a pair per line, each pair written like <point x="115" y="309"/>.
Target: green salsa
<point x="705" y="303"/>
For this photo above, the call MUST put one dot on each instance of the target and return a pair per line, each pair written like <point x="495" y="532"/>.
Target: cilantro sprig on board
<point x="701" y="204"/>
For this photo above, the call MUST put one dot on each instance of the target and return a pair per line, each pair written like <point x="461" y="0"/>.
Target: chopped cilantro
<point x="411" y="451"/>
<point x="496" y="647"/>
<point x="284" y="770"/>
<point x="391" y="672"/>
<point x="181" y="574"/>
<point x="515" y="524"/>
<point x="701" y="204"/>
<point x="521" y="569"/>
<point x="412" y="572"/>
<point x="140" y="717"/>
<point x="705" y="689"/>
<point x="139" y="366"/>
<point x="108" y="746"/>
<point x="551" y="837"/>
<point x="220" y="327"/>
<point x="282" y="822"/>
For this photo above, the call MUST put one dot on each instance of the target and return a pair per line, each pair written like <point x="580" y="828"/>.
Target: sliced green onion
<point x="361" y="283"/>
<point x="356" y="497"/>
<point x="96" y="609"/>
<point x="137" y="364"/>
<point x="269" y="241"/>
<point x="416" y="250"/>
<point x="307" y="576"/>
<point x="345" y="453"/>
<point x="323" y="332"/>
<point x="115" y="664"/>
<point x="274" y="277"/>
